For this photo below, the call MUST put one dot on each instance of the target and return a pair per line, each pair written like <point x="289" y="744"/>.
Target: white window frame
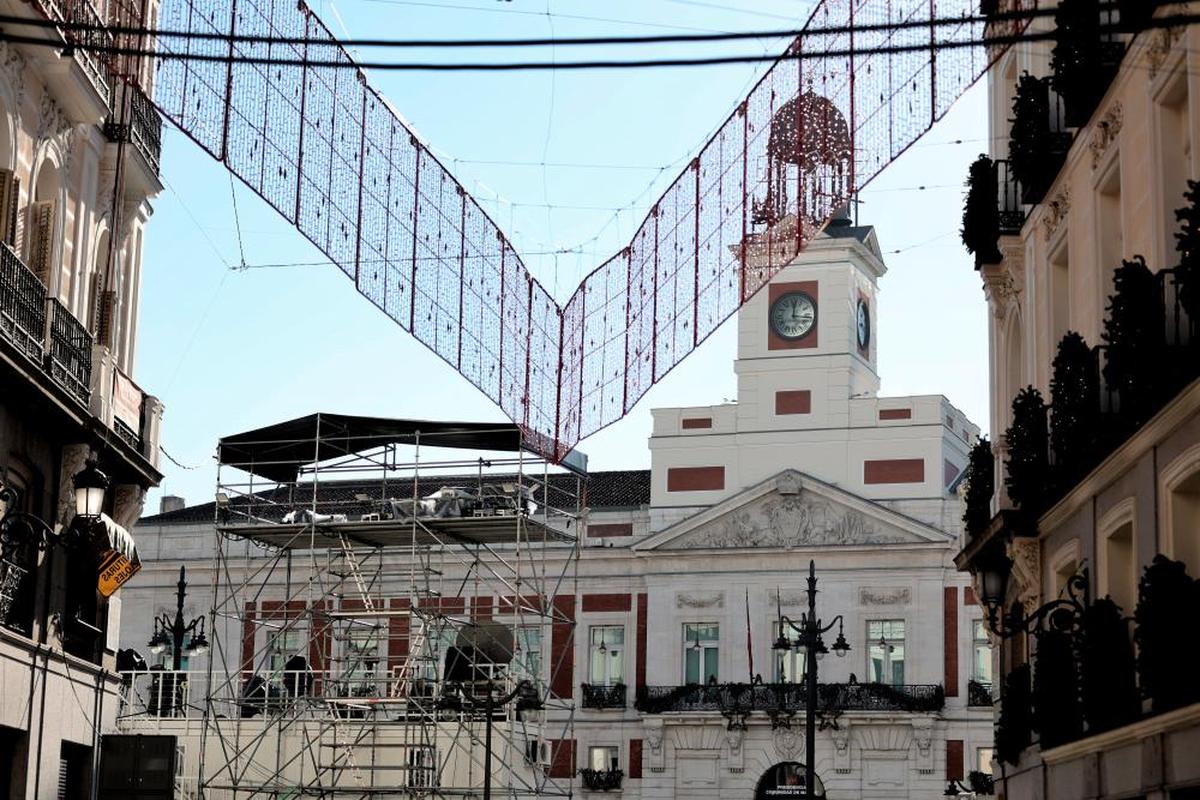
<point x="705" y="646"/>
<point x="611" y="752"/>
<point x="779" y="657"/>
<point x="1113" y="521"/>
<point x="891" y="642"/>
<point x="619" y="659"/>
<point x="979" y="625"/>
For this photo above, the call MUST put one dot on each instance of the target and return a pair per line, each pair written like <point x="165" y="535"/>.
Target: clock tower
<point x="806" y="341"/>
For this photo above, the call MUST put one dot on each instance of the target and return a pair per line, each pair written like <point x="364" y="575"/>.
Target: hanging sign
<point x="127" y="401"/>
<point x="119" y="559"/>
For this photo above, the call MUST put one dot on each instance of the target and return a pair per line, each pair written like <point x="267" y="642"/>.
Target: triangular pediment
<point x="793" y="510"/>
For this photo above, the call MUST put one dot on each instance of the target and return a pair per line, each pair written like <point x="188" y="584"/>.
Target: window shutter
<point x="104" y="317"/>
<point x="10" y="194"/>
<point x="41" y="248"/>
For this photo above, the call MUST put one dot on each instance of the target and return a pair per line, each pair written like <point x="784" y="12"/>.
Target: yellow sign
<point x="115" y="570"/>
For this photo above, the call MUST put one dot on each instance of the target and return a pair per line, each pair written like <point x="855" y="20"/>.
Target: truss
<point x="359" y="627"/>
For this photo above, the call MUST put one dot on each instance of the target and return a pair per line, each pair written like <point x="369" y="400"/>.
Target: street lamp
<point x="169" y="633"/>
<point x="90" y="487"/>
<point x="490" y="702"/>
<point x="809" y="642"/>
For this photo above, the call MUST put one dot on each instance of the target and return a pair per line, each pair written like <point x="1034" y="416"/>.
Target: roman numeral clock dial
<point x="793" y="315"/>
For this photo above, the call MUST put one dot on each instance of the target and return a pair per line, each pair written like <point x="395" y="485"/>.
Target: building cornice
<point x="1126" y="735"/>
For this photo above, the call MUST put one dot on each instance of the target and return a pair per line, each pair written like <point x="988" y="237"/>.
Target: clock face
<point x="864" y="325"/>
<point x="793" y="315"/>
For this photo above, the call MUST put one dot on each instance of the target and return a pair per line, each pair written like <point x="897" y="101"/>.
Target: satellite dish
<point x="491" y="642"/>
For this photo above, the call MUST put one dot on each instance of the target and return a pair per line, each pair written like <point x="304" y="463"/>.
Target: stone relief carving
<point x="1026" y="573"/>
<point x="733" y="741"/>
<point x="1106" y="132"/>
<point x="654" y="742"/>
<point x="128" y="501"/>
<point x="1056" y="213"/>
<point x="788" y="743"/>
<point x="695" y="600"/>
<point x="51" y="120"/>
<point x="787" y="521"/>
<point x="74" y="457"/>
<point x="12" y="65"/>
<point x="922" y="734"/>
<point x="1160" y="47"/>
<point x="878" y="596"/>
<point x="841" y="750"/>
<point x="783" y="597"/>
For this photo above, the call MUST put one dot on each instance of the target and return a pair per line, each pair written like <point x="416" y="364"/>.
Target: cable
<point x="238" y="38"/>
<point x="175" y="461"/>
<point x="992" y="41"/>
<point x="579" y="17"/>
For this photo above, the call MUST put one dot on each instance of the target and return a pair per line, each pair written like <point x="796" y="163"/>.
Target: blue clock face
<point x="793" y="315"/>
<point x="864" y="325"/>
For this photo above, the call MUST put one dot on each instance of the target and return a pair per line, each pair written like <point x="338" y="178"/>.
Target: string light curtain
<point x="321" y="146"/>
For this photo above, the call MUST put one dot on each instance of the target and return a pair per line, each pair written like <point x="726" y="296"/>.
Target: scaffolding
<point x="391" y="618"/>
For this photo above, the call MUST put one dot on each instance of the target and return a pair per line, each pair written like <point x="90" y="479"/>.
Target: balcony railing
<point x="70" y="352"/>
<point x="783" y="697"/>
<point x="979" y="694"/>
<point x="595" y="696"/>
<point x="22" y="305"/>
<point x="140" y="124"/>
<point x="601" y="780"/>
<point x="42" y="328"/>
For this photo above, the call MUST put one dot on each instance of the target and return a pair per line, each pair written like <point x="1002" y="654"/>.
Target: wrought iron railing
<point x="12" y="577"/>
<point x="1011" y="211"/>
<point x="596" y="696"/>
<point x="88" y="44"/>
<point x="601" y="780"/>
<point x="784" y="697"/>
<point x="22" y="305"/>
<point x="70" y="356"/>
<point x="141" y="127"/>
<point x="979" y="693"/>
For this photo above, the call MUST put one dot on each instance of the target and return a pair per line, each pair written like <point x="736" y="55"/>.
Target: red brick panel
<point x="695" y="423"/>
<point x="894" y="470"/>
<point x="950" y="639"/>
<point x="562" y="758"/>
<point x="774" y="292"/>
<point x="949" y="472"/>
<point x="248" y="639"/>
<point x="635" y="759"/>
<point x="528" y="604"/>
<point x="954" y="759"/>
<point x="895" y="413"/>
<point x="643" y="607"/>
<point x="562" y="647"/>
<point x="398" y="632"/>
<point x="481" y="608"/>
<point x="797" y="401"/>
<point x="607" y="602"/>
<point x="968" y="596"/>
<point x="610" y="529"/>
<point x="695" y="479"/>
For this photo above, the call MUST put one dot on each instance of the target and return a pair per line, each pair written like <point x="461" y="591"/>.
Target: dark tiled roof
<point x="605" y="490"/>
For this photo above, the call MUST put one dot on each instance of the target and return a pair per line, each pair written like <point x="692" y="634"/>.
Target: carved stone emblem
<point x="1026" y="573"/>
<point x="1106" y="132"/>
<point x="796" y="520"/>
<point x="695" y="600"/>
<point x="877" y="596"/>
<point x="787" y="743"/>
<point x="1056" y="213"/>
<point x="1160" y="47"/>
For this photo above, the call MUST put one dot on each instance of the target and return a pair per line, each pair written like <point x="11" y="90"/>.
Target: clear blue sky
<point x="230" y="349"/>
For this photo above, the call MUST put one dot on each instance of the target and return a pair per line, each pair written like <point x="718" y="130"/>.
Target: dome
<point x="809" y="131"/>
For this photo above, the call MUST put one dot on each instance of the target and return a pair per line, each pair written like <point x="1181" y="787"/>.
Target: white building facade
<point x="686" y="568"/>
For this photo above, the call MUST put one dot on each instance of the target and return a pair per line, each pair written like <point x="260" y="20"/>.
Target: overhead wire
<point x="400" y="66"/>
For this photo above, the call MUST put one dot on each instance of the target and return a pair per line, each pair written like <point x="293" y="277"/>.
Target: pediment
<point x="793" y="510"/>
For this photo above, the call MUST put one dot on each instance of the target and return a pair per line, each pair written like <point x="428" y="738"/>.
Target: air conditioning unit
<point x="537" y="753"/>
<point x="370" y="517"/>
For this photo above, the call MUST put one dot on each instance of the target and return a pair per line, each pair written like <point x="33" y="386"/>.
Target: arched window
<point x="41" y="249"/>
<point x="1116" y="556"/>
<point x="1014" y="373"/>
<point x="1180" y="523"/>
<point x="100" y="295"/>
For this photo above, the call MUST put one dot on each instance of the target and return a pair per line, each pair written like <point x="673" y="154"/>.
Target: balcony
<point x="979" y="694"/>
<point x="133" y="120"/>
<point x="1039" y="139"/>
<point x="79" y="79"/>
<point x="992" y="209"/>
<point x="777" y="698"/>
<point x="42" y="329"/>
<point x="601" y="697"/>
<point x="601" y="780"/>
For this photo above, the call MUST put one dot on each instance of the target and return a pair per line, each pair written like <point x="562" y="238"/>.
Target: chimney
<point x="170" y="502"/>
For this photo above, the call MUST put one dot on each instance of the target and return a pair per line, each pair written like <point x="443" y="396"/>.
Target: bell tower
<point x="806" y="341"/>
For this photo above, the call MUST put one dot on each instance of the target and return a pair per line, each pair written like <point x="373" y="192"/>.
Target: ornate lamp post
<point x="1061" y="614"/>
<point x="170" y="632"/>
<point x="489" y="703"/>
<point x="809" y="642"/>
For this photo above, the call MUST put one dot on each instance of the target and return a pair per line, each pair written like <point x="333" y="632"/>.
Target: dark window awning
<point x="277" y="452"/>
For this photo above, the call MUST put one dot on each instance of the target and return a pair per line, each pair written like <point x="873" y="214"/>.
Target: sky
<point x="243" y="323"/>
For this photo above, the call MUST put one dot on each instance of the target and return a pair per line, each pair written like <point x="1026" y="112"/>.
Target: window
<point x="789" y="664"/>
<point x="603" y="759"/>
<point x="434" y="645"/>
<point x="1117" y="559"/>
<point x="700" y="650"/>
<point x="1060" y="295"/>
<point x="886" y="651"/>
<point x="18" y="558"/>
<point x="362" y="655"/>
<point x="983" y="759"/>
<point x="283" y="645"/>
<point x="607" y="655"/>
<point x="1184" y="523"/>
<point x="1175" y="156"/>
<point x="981" y="654"/>
<point x="527" y="661"/>
<point x="422" y="766"/>
<point x="1110" y="245"/>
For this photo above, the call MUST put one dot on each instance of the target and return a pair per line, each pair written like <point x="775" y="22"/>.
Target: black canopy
<point x="277" y="451"/>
